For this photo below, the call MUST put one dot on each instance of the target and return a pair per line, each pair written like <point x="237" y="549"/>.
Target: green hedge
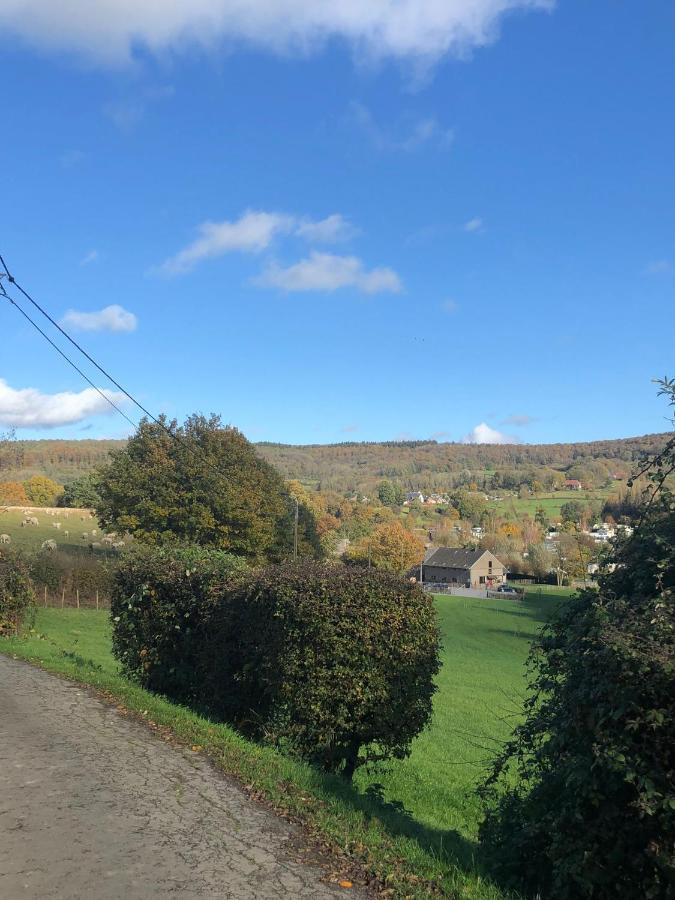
<point x="332" y="664"/>
<point x="17" y="599"/>
<point x="162" y="600"/>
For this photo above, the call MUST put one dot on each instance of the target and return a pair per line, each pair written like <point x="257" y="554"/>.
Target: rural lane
<point x="93" y="805"/>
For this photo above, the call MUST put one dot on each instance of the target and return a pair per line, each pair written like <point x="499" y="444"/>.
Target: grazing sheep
<point x="66" y="534"/>
<point x="82" y="518"/>
<point x="117" y="545"/>
<point x="56" y="525"/>
<point x="96" y="545"/>
<point x="5" y="539"/>
<point x="33" y="521"/>
<point x="49" y="546"/>
<point x="93" y="531"/>
<point x="107" y="540"/>
<point x="84" y="535"/>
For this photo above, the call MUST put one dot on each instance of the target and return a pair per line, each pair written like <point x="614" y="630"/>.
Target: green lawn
<point x="417" y="817"/>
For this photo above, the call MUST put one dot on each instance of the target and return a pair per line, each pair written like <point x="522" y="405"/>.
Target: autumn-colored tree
<point x="12" y="493"/>
<point x="390" y="547"/>
<point x="42" y="491"/>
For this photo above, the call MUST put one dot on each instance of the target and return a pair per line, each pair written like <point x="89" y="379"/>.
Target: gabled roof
<point x="454" y="558"/>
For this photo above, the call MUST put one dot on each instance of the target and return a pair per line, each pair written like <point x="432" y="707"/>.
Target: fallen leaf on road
<point x="345" y="884"/>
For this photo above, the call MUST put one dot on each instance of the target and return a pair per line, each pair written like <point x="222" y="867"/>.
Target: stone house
<point x="465" y="568"/>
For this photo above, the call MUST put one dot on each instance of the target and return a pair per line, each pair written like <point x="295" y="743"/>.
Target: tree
<point x="390" y="547"/>
<point x="42" y="491"/>
<point x="580" y="800"/>
<point x="390" y="493"/>
<point x="202" y="484"/>
<point x="538" y="561"/>
<point x="541" y="517"/>
<point x="572" y="512"/>
<point x="81" y="493"/>
<point x="12" y="493"/>
<point x="471" y="506"/>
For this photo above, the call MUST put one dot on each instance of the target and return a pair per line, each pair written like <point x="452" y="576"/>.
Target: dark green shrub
<point x="162" y="600"/>
<point x="335" y="664"/>
<point x="581" y="803"/>
<point x="17" y="600"/>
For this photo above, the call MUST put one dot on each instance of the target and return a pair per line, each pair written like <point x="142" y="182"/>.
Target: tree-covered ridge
<point x="419" y="465"/>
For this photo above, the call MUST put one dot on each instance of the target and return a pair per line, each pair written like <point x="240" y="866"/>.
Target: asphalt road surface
<point x="93" y="805"/>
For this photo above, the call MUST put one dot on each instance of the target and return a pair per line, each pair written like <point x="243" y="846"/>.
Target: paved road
<point x="93" y="805"/>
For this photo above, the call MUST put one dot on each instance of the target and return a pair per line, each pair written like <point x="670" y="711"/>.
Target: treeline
<point x="359" y="467"/>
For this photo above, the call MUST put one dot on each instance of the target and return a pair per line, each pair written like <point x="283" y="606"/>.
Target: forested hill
<point x="416" y="465"/>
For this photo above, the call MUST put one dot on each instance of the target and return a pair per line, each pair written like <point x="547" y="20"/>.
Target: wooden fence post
<point x="96" y="599"/>
<point x="63" y="597"/>
<point x="77" y="594"/>
<point x="45" y="595"/>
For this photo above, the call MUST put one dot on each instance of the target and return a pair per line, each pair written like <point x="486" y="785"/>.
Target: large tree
<point x="200" y="483"/>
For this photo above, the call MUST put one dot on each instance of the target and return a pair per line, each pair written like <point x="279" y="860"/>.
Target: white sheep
<point x="107" y="540"/>
<point x="84" y="535"/>
<point x="33" y="521"/>
<point x="95" y="546"/>
<point x="49" y="545"/>
<point x="93" y="531"/>
<point x="5" y="539"/>
<point x="66" y="533"/>
<point x="117" y="545"/>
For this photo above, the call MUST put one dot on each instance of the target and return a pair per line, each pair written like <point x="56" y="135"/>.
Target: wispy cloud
<point x="331" y="230"/>
<point x="483" y="434"/>
<point x="421" y="31"/>
<point x="520" y="421"/>
<point x="89" y="258"/>
<point x="126" y="112"/>
<point x="659" y="267"/>
<point x="327" y="272"/>
<point x="473" y="225"/>
<point x="30" y="408"/>
<point x="111" y="318"/>
<point x="253" y="232"/>
<point x="406" y="136"/>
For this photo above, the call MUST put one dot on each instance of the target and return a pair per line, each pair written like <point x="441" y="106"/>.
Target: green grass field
<point x="551" y="503"/>
<point x="31" y="537"/>
<point x="417" y="817"/>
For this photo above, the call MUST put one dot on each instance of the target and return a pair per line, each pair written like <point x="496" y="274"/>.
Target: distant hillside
<point x="423" y="465"/>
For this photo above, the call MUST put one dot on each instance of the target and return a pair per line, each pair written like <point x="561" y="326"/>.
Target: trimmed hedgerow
<point x="335" y="665"/>
<point x="162" y="600"/>
<point x="17" y="599"/>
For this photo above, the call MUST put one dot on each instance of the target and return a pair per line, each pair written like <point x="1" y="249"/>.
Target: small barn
<point x="464" y="568"/>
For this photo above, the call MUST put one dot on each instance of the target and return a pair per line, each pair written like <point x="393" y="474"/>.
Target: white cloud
<point x="473" y="225"/>
<point x="406" y="137"/>
<point x="422" y="31"/>
<point x="327" y="272"/>
<point x="659" y="267"/>
<point x="90" y="257"/>
<point x="251" y="233"/>
<point x="330" y="230"/>
<point x="483" y="434"/>
<point x="111" y="318"/>
<point x="30" y="408"/>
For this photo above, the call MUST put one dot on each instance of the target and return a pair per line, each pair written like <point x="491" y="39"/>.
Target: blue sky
<point x="332" y="223"/>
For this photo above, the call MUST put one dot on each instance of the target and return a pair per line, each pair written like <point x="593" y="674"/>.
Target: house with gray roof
<point x="464" y="568"/>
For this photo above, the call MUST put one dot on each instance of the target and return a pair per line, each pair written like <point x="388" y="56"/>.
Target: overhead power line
<point x="56" y="325"/>
<point x="98" y="390"/>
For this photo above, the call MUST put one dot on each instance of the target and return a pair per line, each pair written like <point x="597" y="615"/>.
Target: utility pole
<point x="295" y="530"/>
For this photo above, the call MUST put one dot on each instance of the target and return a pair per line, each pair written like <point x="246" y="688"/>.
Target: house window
<point x="454" y="581"/>
<point x="481" y="579"/>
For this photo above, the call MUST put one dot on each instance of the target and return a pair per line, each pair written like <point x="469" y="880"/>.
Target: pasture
<point x="550" y="502"/>
<point x="427" y="803"/>
<point x="74" y="521"/>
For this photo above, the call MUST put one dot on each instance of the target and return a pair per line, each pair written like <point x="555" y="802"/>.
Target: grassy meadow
<point x="75" y="521"/>
<point x="414" y="819"/>
<point x="550" y="502"/>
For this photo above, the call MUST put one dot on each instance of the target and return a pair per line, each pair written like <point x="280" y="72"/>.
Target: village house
<point x="572" y="484"/>
<point x="465" y="568"/>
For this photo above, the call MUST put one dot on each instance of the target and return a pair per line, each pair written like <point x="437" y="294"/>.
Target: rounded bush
<point x="333" y="664"/>
<point x="162" y="600"/>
